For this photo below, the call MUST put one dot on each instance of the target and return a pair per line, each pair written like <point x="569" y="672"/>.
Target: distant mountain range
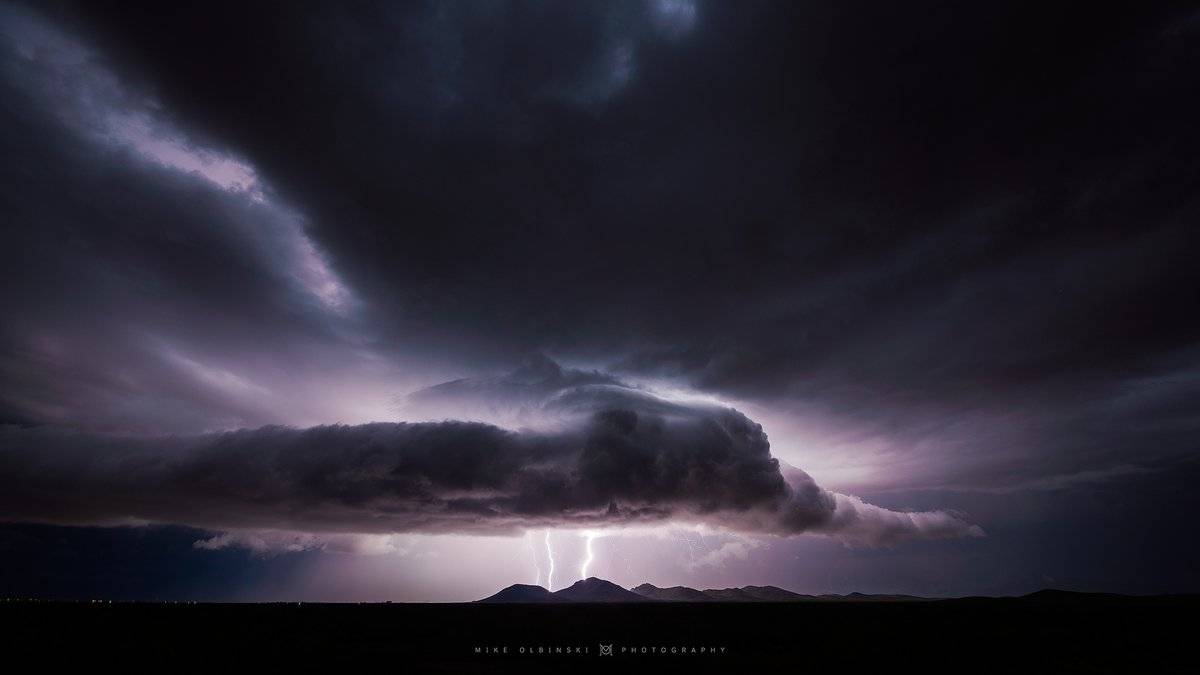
<point x="591" y="589"/>
<point x="594" y="589"/>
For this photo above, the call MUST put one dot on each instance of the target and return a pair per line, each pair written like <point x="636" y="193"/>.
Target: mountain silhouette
<point x="672" y="594"/>
<point x="591" y="589"/>
<point x="521" y="593"/>
<point x="730" y="595"/>
<point x="743" y="594"/>
<point x="773" y="594"/>
<point x="594" y="589"/>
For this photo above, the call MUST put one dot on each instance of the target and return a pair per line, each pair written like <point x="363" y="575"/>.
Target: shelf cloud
<point x="616" y="456"/>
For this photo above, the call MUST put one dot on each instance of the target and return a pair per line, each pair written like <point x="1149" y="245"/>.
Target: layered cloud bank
<point x="612" y="455"/>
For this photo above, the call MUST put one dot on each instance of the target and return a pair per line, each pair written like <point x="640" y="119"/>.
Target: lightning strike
<point x="550" y="554"/>
<point x="583" y="571"/>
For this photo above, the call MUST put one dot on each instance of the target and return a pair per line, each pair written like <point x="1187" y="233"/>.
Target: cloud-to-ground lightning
<point x="583" y="570"/>
<point x="550" y="554"/>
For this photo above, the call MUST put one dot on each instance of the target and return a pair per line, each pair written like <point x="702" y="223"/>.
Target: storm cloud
<point x="944" y="254"/>
<point x="620" y="457"/>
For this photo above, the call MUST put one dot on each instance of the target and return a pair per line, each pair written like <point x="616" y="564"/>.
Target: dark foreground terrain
<point x="1048" y="632"/>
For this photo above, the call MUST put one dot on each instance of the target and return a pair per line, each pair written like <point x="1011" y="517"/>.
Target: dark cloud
<point x="152" y="282"/>
<point x="514" y="399"/>
<point x="928" y="246"/>
<point x="886" y="215"/>
<point x="618" y="457"/>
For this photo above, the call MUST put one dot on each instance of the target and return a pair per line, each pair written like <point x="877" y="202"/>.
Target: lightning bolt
<point x="683" y="534"/>
<point x="550" y="553"/>
<point x="686" y="535"/>
<point x="588" y="560"/>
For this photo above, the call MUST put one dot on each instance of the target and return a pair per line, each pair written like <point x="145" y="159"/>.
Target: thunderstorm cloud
<point x="617" y="456"/>
<point x="266" y="276"/>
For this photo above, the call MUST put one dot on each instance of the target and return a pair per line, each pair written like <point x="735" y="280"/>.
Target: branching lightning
<point x="687" y="538"/>
<point x="685" y="534"/>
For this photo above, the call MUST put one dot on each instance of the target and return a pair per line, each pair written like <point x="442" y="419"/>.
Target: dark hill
<point x="521" y="593"/>
<point x="672" y="594"/>
<point x="773" y="594"/>
<point x="593" y="589"/>
<point x="730" y="595"/>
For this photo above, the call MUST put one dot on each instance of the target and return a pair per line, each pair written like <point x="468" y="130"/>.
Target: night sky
<point x="413" y="301"/>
